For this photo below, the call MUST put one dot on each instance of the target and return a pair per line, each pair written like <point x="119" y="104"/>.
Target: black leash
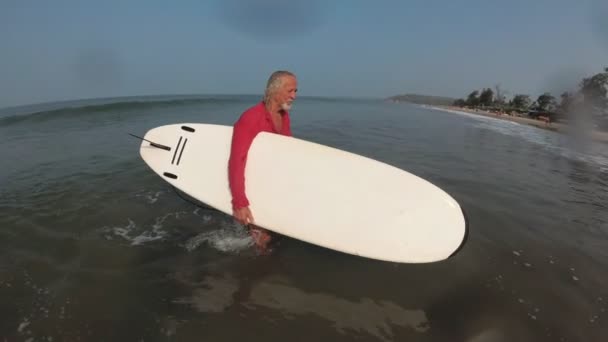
<point x="163" y="147"/>
<point x="167" y="148"/>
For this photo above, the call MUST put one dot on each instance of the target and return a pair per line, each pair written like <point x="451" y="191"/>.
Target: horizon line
<point x="102" y="98"/>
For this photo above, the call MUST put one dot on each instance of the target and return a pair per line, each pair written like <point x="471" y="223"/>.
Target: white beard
<point x="285" y="106"/>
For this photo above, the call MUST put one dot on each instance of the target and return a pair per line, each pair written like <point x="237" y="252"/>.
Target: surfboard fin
<point x="162" y="147"/>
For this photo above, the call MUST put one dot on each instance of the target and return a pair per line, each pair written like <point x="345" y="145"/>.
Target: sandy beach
<point x="595" y="135"/>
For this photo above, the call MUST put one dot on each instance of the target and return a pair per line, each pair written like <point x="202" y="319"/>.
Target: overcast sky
<point x="62" y="50"/>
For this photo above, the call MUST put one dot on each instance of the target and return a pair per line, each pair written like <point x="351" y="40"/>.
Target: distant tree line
<point x="590" y="98"/>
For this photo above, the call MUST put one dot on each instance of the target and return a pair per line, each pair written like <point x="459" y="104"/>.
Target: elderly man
<point x="269" y="115"/>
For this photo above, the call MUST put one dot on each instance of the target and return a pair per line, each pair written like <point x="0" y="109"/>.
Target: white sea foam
<point x="548" y="140"/>
<point x="469" y="115"/>
<point x="552" y="141"/>
<point x="23" y="325"/>
<point x="150" y="197"/>
<point x="137" y="235"/>
<point x="229" y="237"/>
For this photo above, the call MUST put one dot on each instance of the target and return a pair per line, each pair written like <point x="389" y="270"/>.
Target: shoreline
<point x="594" y="135"/>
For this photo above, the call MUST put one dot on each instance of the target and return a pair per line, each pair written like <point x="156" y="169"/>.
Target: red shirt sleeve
<point x="244" y="131"/>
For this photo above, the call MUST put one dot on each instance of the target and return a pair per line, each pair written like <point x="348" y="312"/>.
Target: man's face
<point x="286" y="94"/>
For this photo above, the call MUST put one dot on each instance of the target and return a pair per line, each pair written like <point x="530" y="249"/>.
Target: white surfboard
<point x="314" y="193"/>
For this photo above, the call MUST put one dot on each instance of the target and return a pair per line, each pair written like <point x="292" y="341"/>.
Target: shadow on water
<point x="470" y="312"/>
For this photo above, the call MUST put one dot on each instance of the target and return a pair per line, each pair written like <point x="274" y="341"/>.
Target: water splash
<point x="229" y="238"/>
<point x="132" y="233"/>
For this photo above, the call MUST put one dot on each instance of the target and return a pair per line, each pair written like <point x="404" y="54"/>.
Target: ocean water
<point x="95" y="247"/>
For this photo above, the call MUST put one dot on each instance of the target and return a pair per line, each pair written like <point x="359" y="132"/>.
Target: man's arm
<point x="243" y="134"/>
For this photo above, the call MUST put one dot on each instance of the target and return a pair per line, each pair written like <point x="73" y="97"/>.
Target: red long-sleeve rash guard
<point x="253" y="121"/>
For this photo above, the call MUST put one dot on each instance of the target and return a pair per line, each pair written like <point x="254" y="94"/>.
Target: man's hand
<point x="243" y="215"/>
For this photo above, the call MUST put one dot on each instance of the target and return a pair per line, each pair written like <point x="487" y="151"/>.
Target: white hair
<point x="274" y="82"/>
